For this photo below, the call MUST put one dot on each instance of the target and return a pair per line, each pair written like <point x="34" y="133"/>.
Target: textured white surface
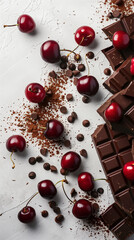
<point x="20" y="64"/>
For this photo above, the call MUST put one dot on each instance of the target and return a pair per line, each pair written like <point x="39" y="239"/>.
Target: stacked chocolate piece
<point x="113" y="140"/>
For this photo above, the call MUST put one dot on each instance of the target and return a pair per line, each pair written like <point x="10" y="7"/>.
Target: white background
<point x="20" y="64"/>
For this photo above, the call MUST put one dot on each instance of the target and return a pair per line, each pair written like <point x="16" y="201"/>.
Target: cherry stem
<point x="101" y="179"/>
<point x="12" y="160"/>
<point x="67" y="50"/>
<point x="65" y="192"/>
<point x="88" y="70"/>
<point x="31" y="198"/>
<point x="12" y="25"/>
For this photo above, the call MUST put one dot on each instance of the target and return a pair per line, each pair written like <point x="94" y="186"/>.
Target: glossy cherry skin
<point x="82" y="209"/>
<point x="26" y="23"/>
<point x="27" y="214"/>
<point x="71" y="161"/>
<point x="35" y="92"/>
<point x="121" y="40"/>
<point x="85" y="181"/>
<point x="47" y="189"/>
<point x="132" y="66"/>
<point x="15" y="143"/>
<point x="84" y="35"/>
<point x="50" y="51"/>
<point x="87" y="85"/>
<point x="54" y="129"/>
<point x="128" y="170"/>
<point x="113" y="113"/>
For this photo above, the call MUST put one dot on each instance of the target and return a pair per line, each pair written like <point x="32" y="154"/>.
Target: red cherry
<point x="71" y="161"/>
<point x="35" y="92"/>
<point x="132" y="66"/>
<point x="87" y="85"/>
<point x="82" y="209"/>
<point x="128" y="170"/>
<point x="84" y="35"/>
<point x="27" y="214"/>
<point x="50" y="51"/>
<point x="85" y="181"/>
<point x="15" y="143"/>
<point x="54" y="129"/>
<point x="121" y="40"/>
<point x="25" y="24"/>
<point x="47" y="189"/>
<point x="113" y="113"/>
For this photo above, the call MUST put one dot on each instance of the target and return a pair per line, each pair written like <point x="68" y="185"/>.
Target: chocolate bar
<point x="114" y="150"/>
<point x="118" y="222"/>
<point x="121" y="78"/>
<point x="125" y="99"/>
<point x="115" y="57"/>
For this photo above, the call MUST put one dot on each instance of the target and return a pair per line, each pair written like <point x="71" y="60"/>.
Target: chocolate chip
<point x="94" y="193"/>
<point x="81" y="67"/>
<point x="116" y="14"/>
<point x="75" y="81"/>
<point x="34" y="116"/>
<point x="83" y="153"/>
<point x="73" y="192"/>
<point x="52" y="204"/>
<point x="107" y="71"/>
<point x="110" y="15"/>
<point x="44" y="151"/>
<point x="74" y="114"/>
<point x="46" y="166"/>
<point x="72" y="66"/>
<point x="32" y="175"/>
<point x="80" y="137"/>
<point x="39" y="159"/>
<point x="85" y="123"/>
<point x="85" y="99"/>
<point x="32" y="160"/>
<point x="59" y="218"/>
<point x="53" y="74"/>
<point x="64" y="58"/>
<point x="69" y="73"/>
<point x="53" y="168"/>
<point x="69" y="97"/>
<point x="95" y="207"/>
<point x="119" y="2"/>
<point x="90" y="55"/>
<point x="76" y="72"/>
<point x="44" y="213"/>
<point x="57" y="210"/>
<point x="77" y="57"/>
<point x="71" y="119"/>
<point x="100" y="190"/>
<point x="63" y="171"/>
<point x="67" y="143"/>
<point x="49" y="92"/>
<point x="63" y="65"/>
<point x="63" y="110"/>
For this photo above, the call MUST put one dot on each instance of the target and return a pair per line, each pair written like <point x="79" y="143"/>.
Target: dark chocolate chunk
<point x="52" y="204"/>
<point x="72" y="66"/>
<point x="100" y="190"/>
<point x="71" y="119"/>
<point x="74" y="114"/>
<point x="59" y="218"/>
<point x="116" y="14"/>
<point x="77" y="57"/>
<point x="69" y="97"/>
<point x="32" y="175"/>
<point x="114" y="56"/>
<point x="53" y="169"/>
<point x="80" y="137"/>
<point x="110" y="15"/>
<point x="63" y="65"/>
<point x="75" y="81"/>
<point x="67" y="143"/>
<point x="76" y="72"/>
<point x="83" y="153"/>
<point x="81" y="67"/>
<point x="107" y="71"/>
<point x="44" y="213"/>
<point x="94" y="193"/>
<point x="32" y="160"/>
<point x="46" y="166"/>
<point x="85" y="99"/>
<point x="57" y="210"/>
<point x="44" y="151"/>
<point x="34" y="116"/>
<point x="90" y="55"/>
<point x="39" y="159"/>
<point x="63" y="110"/>
<point x="86" y="123"/>
<point x="53" y="74"/>
<point x="119" y="2"/>
<point x="64" y="58"/>
<point x="69" y="73"/>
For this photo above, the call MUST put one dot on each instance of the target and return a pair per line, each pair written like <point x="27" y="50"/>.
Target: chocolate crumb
<point x="100" y="190"/>
<point x="95" y="208"/>
<point x="53" y="74"/>
<point x="94" y="193"/>
<point x="59" y="218"/>
<point x="85" y="99"/>
<point x="46" y="166"/>
<point x="67" y="143"/>
<point x="71" y="119"/>
<point x="32" y="175"/>
<point x="69" y="97"/>
<point x="73" y="192"/>
<point x="32" y="160"/>
<point x="34" y="116"/>
<point x="90" y="55"/>
<point x="72" y="66"/>
<point x="64" y="58"/>
<point x="63" y="110"/>
<point x="80" y="137"/>
<point x="39" y="159"/>
<point x="44" y="213"/>
<point x="107" y="71"/>
<point x="83" y="153"/>
<point x="77" y="57"/>
<point x="86" y="123"/>
<point x="63" y="65"/>
<point x="53" y="169"/>
<point x="57" y="210"/>
<point x="69" y="73"/>
<point x="44" y="151"/>
<point x="52" y="204"/>
<point x="74" y="115"/>
<point x="76" y="72"/>
<point x="81" y="67"/>
<point x="75" y="81"/>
